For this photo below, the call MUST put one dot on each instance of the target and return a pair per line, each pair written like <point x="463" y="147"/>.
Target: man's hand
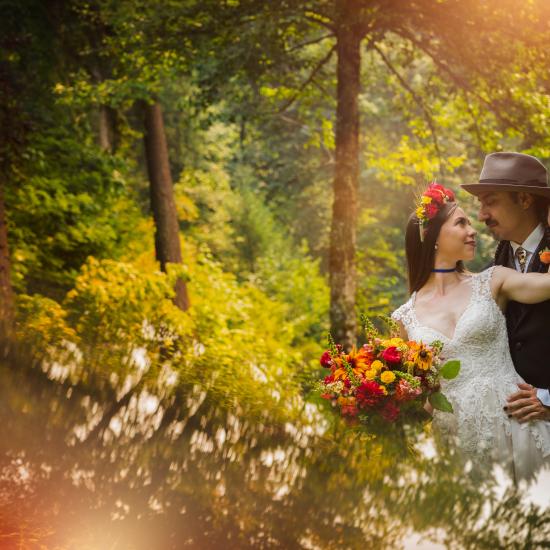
<point x="524" y="405"/>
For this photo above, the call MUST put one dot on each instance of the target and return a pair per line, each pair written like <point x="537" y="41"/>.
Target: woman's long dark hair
<point x="421" y="254"/>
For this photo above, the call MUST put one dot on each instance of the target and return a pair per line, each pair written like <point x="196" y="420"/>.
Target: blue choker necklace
<point x="444" y="270"/>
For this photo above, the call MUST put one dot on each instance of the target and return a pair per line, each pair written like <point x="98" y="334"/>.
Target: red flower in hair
<point x="435" y="194"/>
<point x="449" y="194"/>
<point x="431" y="210"/>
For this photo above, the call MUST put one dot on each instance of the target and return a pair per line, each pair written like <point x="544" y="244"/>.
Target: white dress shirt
<point x="530" y="245"/>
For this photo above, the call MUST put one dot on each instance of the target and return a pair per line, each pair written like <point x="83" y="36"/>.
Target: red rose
<point x="329" y="379"/>
<point x="326" y="360"/>
<point x="391" y="355"/>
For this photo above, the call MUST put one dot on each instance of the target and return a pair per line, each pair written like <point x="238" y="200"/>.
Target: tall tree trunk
<point x="107" y="128"/>
<point x="167" y="241"/>
<point x="346" y="179"/>
<point x="6" y="291"/>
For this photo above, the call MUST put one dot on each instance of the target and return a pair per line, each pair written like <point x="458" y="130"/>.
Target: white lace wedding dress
<point x="478" y="394"/>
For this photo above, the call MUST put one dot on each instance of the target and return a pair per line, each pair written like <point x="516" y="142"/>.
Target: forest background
<point x="193" y="193"/>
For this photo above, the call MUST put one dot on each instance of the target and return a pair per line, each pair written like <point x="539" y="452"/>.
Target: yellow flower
<point x="384" y="390"/>
<point x="377" y="365"/>
<point x="397" y="342"/>
<point x="387" y="377"/>
<point x="370" y="374"/>
<point x="425" y="199"/>
<point x="423" y="358"/>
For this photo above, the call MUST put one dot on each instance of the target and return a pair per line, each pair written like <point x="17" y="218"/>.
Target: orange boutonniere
<point x="544" y="256"/>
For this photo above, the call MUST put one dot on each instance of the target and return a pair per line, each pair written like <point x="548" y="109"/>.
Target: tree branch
<point x="309" y="42"/>
<point x="456" y="79"/>
<point x="306" y="82"/>
<point x="319" y="19"/>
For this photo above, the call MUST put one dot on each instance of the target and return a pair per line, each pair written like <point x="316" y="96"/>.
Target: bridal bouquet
<point x="387" y="378"/>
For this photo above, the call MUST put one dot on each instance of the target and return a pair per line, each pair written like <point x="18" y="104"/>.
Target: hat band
<point x="530" y="183"/>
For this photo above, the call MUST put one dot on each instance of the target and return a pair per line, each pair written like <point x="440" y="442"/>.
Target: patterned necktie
<point x="521" y="255"/>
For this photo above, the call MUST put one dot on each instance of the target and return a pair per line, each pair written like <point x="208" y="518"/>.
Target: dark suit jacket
<point x="529" y="327"/>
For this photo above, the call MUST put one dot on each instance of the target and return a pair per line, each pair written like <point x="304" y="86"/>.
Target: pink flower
<point x="404" y="391"/>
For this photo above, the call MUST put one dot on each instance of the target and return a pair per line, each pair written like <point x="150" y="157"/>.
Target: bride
<point x="465" y="311"/>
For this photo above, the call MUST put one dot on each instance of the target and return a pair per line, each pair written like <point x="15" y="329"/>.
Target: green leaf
<point x="440" y="402"/>
<point x="450" y="369"/>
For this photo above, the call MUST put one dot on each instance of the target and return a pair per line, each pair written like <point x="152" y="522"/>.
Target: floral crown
<point x="429" y="205"/>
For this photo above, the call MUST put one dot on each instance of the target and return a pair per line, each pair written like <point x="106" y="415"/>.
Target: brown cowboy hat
<point x="511" y="172"/>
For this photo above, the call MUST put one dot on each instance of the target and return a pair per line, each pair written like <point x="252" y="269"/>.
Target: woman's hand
<point x="428" y="408"/>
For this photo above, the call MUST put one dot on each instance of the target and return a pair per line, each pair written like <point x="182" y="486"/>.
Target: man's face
<point x="501" y="214"/>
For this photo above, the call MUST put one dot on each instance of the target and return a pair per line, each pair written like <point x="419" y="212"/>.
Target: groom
<point x="514" y="198"/>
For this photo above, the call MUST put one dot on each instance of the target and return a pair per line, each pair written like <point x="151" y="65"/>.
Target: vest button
<point x="519" y="345"/>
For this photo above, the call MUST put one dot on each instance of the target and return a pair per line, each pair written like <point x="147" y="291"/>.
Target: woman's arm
<point x="527" y="288"/>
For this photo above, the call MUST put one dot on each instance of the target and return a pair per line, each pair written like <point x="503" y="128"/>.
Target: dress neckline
<point x="451" y="338"/>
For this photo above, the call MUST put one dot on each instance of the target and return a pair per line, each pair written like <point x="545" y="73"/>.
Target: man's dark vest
<point x="529" y="325"/>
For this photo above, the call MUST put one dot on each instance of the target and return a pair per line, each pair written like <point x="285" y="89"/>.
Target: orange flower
<point x="340" y="374"/>
<point x="544" y="256"/>
<point x="359" y="360"/>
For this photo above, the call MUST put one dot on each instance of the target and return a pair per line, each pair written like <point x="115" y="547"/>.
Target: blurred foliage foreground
<point x="128" y="423"/>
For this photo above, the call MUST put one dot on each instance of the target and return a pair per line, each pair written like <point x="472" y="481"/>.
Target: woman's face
<point x="457" y="238"/>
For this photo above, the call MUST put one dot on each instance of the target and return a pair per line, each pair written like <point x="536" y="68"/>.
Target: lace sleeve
<point x="484" y="283"/>
<point x="404" y="314"/>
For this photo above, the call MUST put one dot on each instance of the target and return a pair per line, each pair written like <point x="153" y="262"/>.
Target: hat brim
<point x="478" y="188"/>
